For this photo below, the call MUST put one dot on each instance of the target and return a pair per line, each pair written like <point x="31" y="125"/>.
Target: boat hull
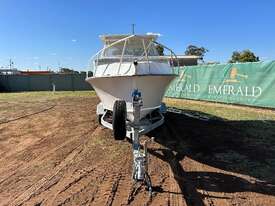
<point x="152" y="88"/>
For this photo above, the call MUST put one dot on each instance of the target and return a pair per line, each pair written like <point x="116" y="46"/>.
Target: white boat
<point x="126" y="63"/>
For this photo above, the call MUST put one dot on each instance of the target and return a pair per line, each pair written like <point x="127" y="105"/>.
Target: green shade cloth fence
<point x="45" y="82"/>
<point x="241" y="83"/>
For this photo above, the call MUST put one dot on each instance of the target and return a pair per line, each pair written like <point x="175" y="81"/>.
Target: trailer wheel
<point x="119" y="120"/>
<point x="99" y="118"/>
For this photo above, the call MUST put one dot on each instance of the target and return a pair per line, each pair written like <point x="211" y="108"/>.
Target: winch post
<point x="137" y="104"/>
<point x="140" y="166"/>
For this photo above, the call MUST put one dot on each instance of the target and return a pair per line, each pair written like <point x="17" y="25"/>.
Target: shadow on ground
<point x="244" y="147"/>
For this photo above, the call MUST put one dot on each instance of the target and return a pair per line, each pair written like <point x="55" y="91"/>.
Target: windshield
<point x="134" y="47"/>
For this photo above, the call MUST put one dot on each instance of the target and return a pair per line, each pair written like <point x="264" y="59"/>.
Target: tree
<point x="236" y="56"/>
<point x="244" y="56"/>
<point x="160" y="50"/>
<point x="197" y="51"/>
<point x="68" y="71"/>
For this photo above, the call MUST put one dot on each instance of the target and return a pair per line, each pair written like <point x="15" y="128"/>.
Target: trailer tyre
<point x="99" y="118"/>
<point x="119" y="120"/>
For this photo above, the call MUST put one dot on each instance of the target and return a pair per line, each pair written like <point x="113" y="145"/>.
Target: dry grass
<point x="41" y="96"/>
<point x="226" y="111"/>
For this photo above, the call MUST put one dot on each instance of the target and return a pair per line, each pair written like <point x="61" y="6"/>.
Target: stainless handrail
<point x="103" y="49"/>
<point x="123" y="50"/>
<point x="170" y="51"/>
<point x="144" y="54"/>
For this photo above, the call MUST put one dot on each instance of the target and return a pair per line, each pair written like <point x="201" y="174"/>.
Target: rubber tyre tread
<point x="119" y="120"/>
<point x="99" y="118"/>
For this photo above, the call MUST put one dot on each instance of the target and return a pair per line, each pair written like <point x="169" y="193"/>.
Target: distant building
<point x="186" y="60"/>
<point x="35" y="72"/>
<point x="211" y="62"/>
<point x="9" y="71"/>
<point x="67" y="71"/>
<point x="181" y="60"/>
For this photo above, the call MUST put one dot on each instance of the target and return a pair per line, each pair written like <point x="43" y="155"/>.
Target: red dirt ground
<point x="59" y="155"/>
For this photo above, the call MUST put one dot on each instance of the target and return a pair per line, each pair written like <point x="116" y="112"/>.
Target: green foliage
<point x="68" y="71"/>
<point x="244" y="56"/>
<point x="160" y="50"/>
<point x="197" y="51"/>
<point x="90" y="74"/>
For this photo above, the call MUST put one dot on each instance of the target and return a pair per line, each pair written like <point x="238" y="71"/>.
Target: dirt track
<point x="59" y="155"/>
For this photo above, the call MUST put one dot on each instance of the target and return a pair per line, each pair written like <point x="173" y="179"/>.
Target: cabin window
<point x="113" y="51"/>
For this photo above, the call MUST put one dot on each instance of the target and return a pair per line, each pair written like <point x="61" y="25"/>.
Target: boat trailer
<point x="140" y="157"/>
<point x="134" y="129"/>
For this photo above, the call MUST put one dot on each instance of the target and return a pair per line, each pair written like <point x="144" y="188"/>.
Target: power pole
<point x="11" y="64"/>
<point x="133" y="28"/>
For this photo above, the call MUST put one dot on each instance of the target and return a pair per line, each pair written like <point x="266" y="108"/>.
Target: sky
<point x="64" y="33"/>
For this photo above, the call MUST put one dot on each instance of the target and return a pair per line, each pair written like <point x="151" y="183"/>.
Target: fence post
<point x="8" y="80"/>
<point x="29" y="83"/>
<point x="72" y="78"/>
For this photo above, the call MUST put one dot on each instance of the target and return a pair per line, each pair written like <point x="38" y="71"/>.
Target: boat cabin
<point x="130" y="55"/>
<point x="131" y="48"/>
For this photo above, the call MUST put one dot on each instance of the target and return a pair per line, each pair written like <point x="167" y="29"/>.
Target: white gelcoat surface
<point x="152" y="88"/>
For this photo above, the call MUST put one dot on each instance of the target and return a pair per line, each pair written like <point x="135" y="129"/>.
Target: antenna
<point x="133" y="28"/>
